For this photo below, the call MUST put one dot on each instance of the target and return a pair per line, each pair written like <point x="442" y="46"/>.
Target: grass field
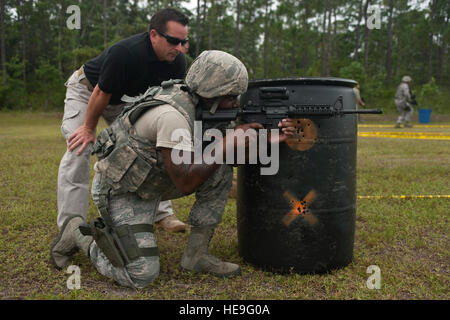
<point x="407" y="238"/>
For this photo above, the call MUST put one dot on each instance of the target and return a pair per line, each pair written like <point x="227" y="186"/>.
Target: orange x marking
<point x="300" y="208"/>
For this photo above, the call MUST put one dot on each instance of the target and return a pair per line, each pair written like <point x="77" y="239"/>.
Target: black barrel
<point x="302" y="219"/>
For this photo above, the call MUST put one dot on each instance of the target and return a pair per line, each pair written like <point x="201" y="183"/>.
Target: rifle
<point x="270" y="115"/>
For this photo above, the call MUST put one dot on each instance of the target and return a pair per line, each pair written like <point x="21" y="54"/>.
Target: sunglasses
<point x="172" y="40"/>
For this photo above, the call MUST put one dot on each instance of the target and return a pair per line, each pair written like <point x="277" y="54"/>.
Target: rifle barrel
<point x="371" y="111"/>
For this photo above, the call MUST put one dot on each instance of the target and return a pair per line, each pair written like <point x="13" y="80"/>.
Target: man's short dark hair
<point x="161" y="17"/>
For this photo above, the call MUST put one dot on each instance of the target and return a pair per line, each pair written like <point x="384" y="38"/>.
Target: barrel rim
<point x="303" y="80"/>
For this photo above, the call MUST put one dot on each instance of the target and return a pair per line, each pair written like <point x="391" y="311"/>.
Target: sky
<point x="191" y="5"/>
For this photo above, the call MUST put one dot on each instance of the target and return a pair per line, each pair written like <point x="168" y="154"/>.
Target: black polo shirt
<point x="130" y="66"/>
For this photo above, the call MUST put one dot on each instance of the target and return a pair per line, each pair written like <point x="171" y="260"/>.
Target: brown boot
<point x="171" y="224"/>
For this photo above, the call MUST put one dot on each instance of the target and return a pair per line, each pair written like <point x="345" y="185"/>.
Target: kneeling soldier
<point x="136" y="171"/>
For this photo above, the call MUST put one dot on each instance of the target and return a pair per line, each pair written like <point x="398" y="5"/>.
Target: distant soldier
<point x="402" y="102"/>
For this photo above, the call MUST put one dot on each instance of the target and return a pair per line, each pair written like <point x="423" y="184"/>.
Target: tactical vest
<point x="130" y="163"/>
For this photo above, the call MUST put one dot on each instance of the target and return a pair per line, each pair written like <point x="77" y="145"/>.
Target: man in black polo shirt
<point x="128" y="67"/>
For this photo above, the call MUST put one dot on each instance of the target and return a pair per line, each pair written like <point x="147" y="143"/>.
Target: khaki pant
<point x="73" y="174"/>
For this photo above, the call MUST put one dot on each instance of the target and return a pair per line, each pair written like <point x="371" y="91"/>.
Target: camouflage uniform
<point x="402" y="99"/>
<point x="129" y="208"/>
<point x="131" y="178"/>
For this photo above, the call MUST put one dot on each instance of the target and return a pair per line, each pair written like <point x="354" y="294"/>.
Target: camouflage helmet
<point x="216" y="73"/>
<point x="406" y="79"/>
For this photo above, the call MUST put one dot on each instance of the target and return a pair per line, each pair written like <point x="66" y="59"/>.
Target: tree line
<point x="375" y="42"/>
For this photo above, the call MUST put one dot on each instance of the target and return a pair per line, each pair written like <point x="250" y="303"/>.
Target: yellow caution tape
<point x="391" y="126"/>
<point x="407" y="135"/>
<point x="431" y="196"/>
<point x="395" y="133"/>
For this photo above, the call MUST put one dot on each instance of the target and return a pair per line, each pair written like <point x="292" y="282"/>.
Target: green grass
<point x="407" y="239"/>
